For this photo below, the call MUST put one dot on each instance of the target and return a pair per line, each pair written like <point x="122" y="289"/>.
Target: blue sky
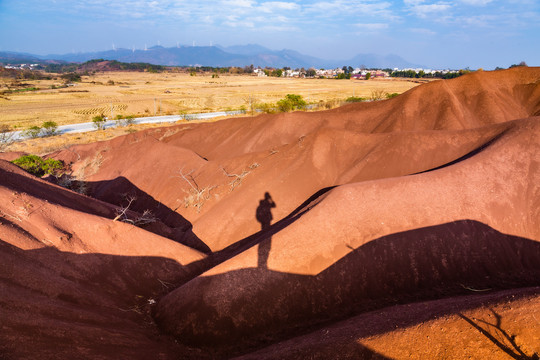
<point x="439" y="34"/>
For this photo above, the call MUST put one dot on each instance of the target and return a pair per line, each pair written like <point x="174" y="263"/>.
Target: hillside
<point x="403" y="228"/>
<point x="215" y="56"/>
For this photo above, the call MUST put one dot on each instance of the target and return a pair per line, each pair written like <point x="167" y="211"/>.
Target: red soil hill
<point x="474" y="222"/>
<point x="427" y="196"/>
<point x="292" y="156"/>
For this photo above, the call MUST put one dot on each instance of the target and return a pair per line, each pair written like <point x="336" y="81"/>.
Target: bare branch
<point x="143" y="219"/>
<point x="121" y="211"/>
<point x="239" y="177"/>
<point x="7" y="137"/>
<point x="146" y="218"/>
<point x="196" y="196"/>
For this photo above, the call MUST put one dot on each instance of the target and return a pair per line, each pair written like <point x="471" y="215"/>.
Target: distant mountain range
<point x="216" y="56"/>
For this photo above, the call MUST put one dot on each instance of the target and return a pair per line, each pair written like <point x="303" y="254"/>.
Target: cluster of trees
<point x="48" y="128"/>
<point x="347" y="72"/>
<point x="111" y="65"/>
<point x="290" y="102"/>
<point x="38" y="166"/>
<point x="523" y="63"/>
<point x="422" y="74"/>
<point x="25" y="74"/>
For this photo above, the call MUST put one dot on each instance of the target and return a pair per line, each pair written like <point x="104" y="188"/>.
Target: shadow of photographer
<point x="264" y="216"/>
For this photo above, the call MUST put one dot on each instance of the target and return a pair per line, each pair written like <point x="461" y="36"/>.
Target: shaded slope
<point x="64" y="305"/>
<point x="76" y="284"/>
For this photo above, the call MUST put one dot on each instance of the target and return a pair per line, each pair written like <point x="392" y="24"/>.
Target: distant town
<point x="348" y="72"/>
<point x="345" y="72"/>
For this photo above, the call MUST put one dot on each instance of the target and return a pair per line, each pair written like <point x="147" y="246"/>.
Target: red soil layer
<point x="74" y="283"/>
<point x="373" y="240"/>
<point x="292" y="156"/>
<point x="430" y="195"/>
<point x="500" y="325"/>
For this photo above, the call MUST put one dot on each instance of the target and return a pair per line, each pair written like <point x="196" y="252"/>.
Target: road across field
<point x="89" y="126"/>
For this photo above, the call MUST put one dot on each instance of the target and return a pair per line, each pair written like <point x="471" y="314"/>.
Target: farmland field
<point x="148" y="94"/>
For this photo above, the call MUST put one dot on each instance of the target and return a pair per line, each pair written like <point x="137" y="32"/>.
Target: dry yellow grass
<point x="139" y="94"/>
<point x="47" y="145"/>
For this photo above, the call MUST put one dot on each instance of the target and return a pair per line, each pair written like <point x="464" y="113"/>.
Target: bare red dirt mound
<point x="378" y="240"/>
<point x="214" y="174"/>
<point x="282" y="226"/>
<point x="74" y="283"/>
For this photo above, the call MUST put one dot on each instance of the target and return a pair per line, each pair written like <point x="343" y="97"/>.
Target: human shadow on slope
<point x="266" y="232"/>
<point x="501" y="338"/>
<point x="428" y="263"/>
<point x="263" y="214"/>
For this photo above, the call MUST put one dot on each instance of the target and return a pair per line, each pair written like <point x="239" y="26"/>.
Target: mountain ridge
<point x="218" y="56"/>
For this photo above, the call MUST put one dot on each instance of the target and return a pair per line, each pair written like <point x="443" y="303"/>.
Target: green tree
<point x="291" y="102"/>
<point x="99" y="122"/>
<point x="311" y="72"/>
<point x="50" y="128"/>
<point x="37" y="166"/>
<point x="523" y="63"/>
<point x="368" y="76"/>
<point x="71" y="77"/>
<point x="32" y="132"/>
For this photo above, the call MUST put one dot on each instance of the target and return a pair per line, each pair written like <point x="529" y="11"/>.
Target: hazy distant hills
<point x="240" y="55"/>
<point x="16" y="57"/>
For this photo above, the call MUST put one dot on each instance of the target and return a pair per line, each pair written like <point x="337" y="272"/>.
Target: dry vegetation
<point x="136" y="93"/>
<point x="45" y="145"/>
<point x="146" y="94"/>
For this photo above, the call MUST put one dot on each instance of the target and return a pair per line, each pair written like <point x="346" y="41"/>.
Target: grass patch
<point x="355" y="99"/>
<point x="38" y="166"/>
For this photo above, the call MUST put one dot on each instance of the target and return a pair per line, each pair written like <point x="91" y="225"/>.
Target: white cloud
<point x="238" y="3"/>
<point x="277" y="28"/>
<point x="479" y="20"/>
<point x="423" y="31"/>
<point x="424" y="10"/>
<point x="372" y="27"/>
<point x="338" y="9"/>
<point x="280" y="5"/>
<point x="476" y="2"/>
<point x="413" y="2"/>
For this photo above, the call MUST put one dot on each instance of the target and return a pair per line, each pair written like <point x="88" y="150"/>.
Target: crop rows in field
<point x="100" y="110"/>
